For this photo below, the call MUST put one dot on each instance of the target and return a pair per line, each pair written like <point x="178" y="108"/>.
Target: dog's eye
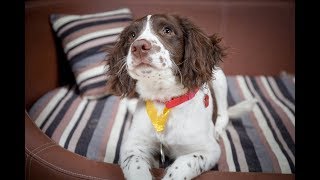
<point x="132" y="35"/>
<point x="167" y="30"/>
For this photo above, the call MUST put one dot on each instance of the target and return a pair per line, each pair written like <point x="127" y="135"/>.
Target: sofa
<point x="261" y="43"/>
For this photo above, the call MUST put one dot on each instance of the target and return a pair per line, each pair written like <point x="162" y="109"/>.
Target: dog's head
<point x="162" y="48"/>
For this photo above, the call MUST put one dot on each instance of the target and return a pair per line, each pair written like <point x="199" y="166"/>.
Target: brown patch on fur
<point x="119" y="82"/>
<point x="215" y="104"/>
<point x="201" y="55"/>
<point x="192" y="51"/>
<point x="173" y="41"/>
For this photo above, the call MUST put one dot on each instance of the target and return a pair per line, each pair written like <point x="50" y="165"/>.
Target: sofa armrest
<point x="45" y="159"/>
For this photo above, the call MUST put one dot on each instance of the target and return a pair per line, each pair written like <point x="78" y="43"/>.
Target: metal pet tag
<point x="162" y="154"/>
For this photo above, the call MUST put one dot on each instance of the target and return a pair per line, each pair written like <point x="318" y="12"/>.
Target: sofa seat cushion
<point x="260" y="141"/>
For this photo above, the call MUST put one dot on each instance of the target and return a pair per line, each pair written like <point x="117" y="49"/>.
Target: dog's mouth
<point x="145" y="68"/>
<point x="143" y="65"/>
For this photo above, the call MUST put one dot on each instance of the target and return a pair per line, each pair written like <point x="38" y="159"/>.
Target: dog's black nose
<point x="140" y="48"/>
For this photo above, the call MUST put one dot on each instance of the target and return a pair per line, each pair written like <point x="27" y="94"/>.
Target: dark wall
<point x="259" y="34"/>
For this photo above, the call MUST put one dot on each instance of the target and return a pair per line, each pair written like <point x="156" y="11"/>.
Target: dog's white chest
<point x="187" y="124"/>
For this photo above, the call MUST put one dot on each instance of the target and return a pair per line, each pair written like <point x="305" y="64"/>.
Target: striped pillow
<point x="84" y="39"/>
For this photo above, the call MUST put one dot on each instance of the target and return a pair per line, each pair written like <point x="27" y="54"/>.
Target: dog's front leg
<point x="136" y="160"/>
<point x="193" y="164"/>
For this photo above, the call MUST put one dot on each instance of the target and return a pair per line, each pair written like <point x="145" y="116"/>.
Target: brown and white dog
<point x="165" y="59"/>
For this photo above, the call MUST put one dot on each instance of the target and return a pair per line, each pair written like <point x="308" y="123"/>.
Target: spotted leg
<point x="191" y="165"/>
<point x="136" y="160"/>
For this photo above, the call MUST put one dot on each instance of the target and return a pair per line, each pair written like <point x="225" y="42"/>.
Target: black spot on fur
<point x="194" y="156"/>
<point x="138" y="167"/>
<point x="128" y="158"/>
<point x="142" y="151"/>
<point x="170" y="175"/>
<point x="201" y="157"/>
<point x="176" y="167"/>
<point x="185" y="178"/>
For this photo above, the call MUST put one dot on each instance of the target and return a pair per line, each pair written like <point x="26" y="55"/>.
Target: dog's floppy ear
<point x="119" y="82"/>
<point x="201" y="55"/>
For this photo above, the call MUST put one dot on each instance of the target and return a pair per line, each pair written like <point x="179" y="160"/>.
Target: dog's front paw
<point x="135" y="167"/>
<point x="141" y="175"/>
<point x="137" y="171"/>
<point x="182" y="168"/>
<point x="174" y="172"/>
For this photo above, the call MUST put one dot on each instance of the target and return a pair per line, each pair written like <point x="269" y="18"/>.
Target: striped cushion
<point x="84" y="39"/>
<point x="260" y="141"/>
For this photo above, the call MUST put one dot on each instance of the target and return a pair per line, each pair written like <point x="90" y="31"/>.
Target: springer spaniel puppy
<point x="172" y="67"/>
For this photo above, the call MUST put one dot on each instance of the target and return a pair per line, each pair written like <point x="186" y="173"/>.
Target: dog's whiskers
<point x="120" y="60"/>
<point x="120" y="70"/>
<point x="124" y="63"/>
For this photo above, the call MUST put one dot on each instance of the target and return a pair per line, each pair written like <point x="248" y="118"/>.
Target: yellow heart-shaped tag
<point x="158" y="122"/>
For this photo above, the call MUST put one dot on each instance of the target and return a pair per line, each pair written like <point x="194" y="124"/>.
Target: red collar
<point x="181" y="99"/>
